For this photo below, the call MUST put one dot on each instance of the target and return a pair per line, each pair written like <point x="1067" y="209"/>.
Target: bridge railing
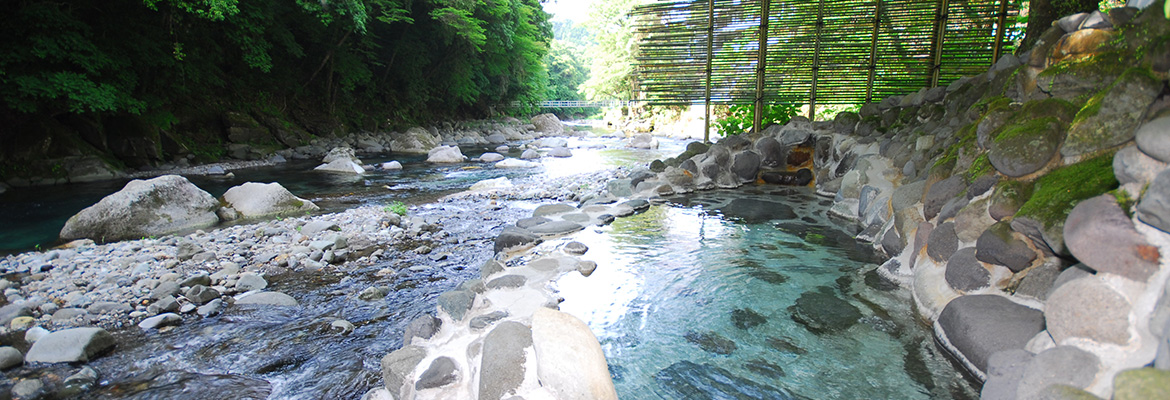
<point x="576" y="103"/>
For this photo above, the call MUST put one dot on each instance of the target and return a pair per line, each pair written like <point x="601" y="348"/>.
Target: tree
<point x="611" y="74"/>
<point x="1042" y="13"/>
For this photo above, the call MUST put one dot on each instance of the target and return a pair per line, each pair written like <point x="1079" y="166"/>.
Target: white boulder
<point x="257" y="200"/>
<point x="159" y="206"/>
<point x="445" y="155"/>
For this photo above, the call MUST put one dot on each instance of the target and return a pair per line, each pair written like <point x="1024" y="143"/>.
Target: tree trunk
<point x="1042" y="13"/>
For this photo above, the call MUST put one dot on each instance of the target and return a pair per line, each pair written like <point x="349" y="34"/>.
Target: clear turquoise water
<point x="684" y="268"/>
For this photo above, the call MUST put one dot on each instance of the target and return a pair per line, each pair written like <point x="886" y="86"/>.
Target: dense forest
<point x="116" y="76"/>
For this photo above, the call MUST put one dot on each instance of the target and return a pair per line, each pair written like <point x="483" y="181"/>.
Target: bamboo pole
<point x="761" y="66"/>
<point x="940" y="31"/>
<point x="710" y="51"/>
<point x="1000" y="29"/>
<point x="873" y="42"/>
<point x="812" y="98"/>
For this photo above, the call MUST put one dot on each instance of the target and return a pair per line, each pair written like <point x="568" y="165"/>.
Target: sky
<point x="576" y="10"/>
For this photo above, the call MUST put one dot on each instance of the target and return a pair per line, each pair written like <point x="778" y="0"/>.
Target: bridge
<point x="576" y="103"/>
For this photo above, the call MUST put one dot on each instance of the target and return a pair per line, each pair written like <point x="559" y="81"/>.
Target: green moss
<point x="1095" y="65"/>
<point x="1056" y="193"/>
<point x="1027" y="128"/>
<point x="981" y="166"/>
<point x="988" y="104"/>
<point x="1063" y="110"/>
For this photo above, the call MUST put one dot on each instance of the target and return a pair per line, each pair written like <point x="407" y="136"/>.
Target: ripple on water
<point x="697" y="305"/>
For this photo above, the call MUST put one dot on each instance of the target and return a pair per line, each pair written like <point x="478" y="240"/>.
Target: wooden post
<point x="761" y="66"/>
<point x="877" y="20"/>
<point x="812" y="98"/>
<point x="940" y="31"/>
<point x="1000" y="29"/>
<point x="710" y="51"/>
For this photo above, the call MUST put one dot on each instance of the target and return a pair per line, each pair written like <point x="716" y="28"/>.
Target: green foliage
<point x="738" y="118"/>
<point x="566" y="71"/>
<point x="1057" y="193"/>
<point x="401" y="61"/>
<point x="612" y="70"/>
<point x="397" y="207"/>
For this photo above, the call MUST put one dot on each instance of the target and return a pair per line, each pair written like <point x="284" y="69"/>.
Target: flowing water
<point x="693" y="299"/>
<point x="696" y="299"/>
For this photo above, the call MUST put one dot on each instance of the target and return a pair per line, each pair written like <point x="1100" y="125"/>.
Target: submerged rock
<point x="687" y="380"/>
<point x="758" y="211"/>
<point x="711" y="342"/>
<point x="824" y="313"/>
<point x="746" y="318"/>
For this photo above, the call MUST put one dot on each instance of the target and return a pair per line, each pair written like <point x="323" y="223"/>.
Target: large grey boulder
<point x="1025" y="148"/>
<point x="1004" y="370"/>
<point x="1061" y="365"/>
<point x="445" y="155"/>
<point x="258" y="200"/>
<point x="152" y="207"/>
<point x="70" y="345"/>
<point x="1088" y="308"/>
<point x="965" y="273"/>
<point x="502" y="365"/>
<point x="339" y="153"/>
<point x="998" y="245"/>
<point x="268" y="298"/>
<point x="1131" y="165"/>
<point x="346" y="166"/>
<point x="397" y="365"/>
<point x="1153" y="138"/>
<point x="1100" y="235"/>
<point x="414" y="141"/>
<point x="1115" y="115"/>
<point x="978" y="326"/>
<point x="1154" y="208"/>
<point x="548" y="124"/>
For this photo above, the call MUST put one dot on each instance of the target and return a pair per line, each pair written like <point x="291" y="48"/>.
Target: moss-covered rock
<point x="1008" y="197"/>
<point x="1025" y="147"/>
<point x="1056" y="193"/>
<point x="1076" y="78"/>
<point x="1143" y="383"/>
<point x="1111" y="117"/>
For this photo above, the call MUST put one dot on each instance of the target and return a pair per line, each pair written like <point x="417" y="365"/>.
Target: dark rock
<point x="784" y="345"/>
<point x="711" y="342"/>
<point x="553" y="209"/>
<point x="489" y="268"/>
<point x="942" y="242"/>
<point x="754" y="211"/>
<point x="981" y="185"/>
<point x="824" y="313"/>
<point x="513" y="237"/>
<point x="998" y="246"/>
<point x="801" y="177"/>
<point x="687" y="380"/>
<point x="441" y="373"/>
<point x="765" y="369"/>
<point x="526" y="223"/>
<point x="745" y="165"/>
<point x="10" y="357"/>
<point x="978" y="326"/>
<point x="940" y="193"/>
<point x="556" y="228"/>
<point x="965" y="273"/>
<point x="507" y="282"/>
<point x="1118" y="114"/>
<point x="483" y="321"/>
<point x="1100" y="235"/>
<point x="502" y="364"/>
<point x="771" y="152"/>
<point x="952" y="208"/>
<point x="1025" y="148"/>
<point x="422" y="327"/>
<point x="892" y="243"/>
<point x="771" y="277"/>
<point x="1038" y="283"/>
<point x="200" y="294"/>
<point x="575" y="248"/>
<point x="1153" y="138"/>
<point x="638" y="205"/>
<point x="456" y="303"/>
<point x="1154" y="208"/>
<point x="746" y="318"/>
<point x="1064" y="365"/>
